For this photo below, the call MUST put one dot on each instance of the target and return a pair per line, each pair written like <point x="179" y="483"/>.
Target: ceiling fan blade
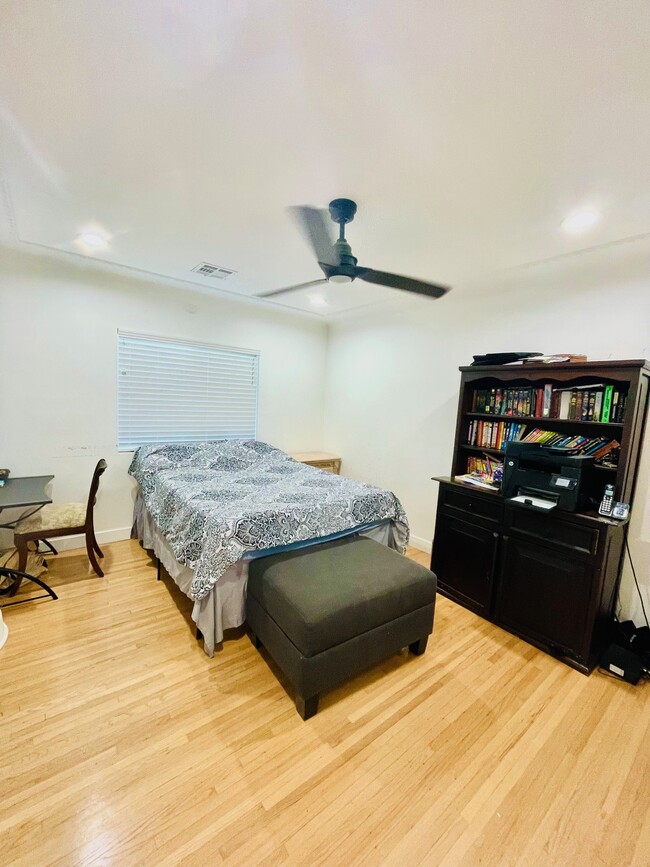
<point x="396" y="281"/>
<point x="292" y="288"/>
<point x="316" y="226"/>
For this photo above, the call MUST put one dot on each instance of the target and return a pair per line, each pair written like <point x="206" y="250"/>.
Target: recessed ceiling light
<point x="92" y="240"/>
<point x="580" y="221"/>
<point x="318" y="301"/>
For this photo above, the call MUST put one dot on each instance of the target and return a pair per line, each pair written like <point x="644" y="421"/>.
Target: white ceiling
<point x="464" y="129"/>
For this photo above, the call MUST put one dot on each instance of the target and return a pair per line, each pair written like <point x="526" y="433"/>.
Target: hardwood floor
<point x="123" y="744"/>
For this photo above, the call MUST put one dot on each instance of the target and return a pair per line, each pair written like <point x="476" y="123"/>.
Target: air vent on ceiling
<point x="208" y="270"/>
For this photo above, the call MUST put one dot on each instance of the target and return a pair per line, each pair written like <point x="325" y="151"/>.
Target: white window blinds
<point x="171" y="391"/>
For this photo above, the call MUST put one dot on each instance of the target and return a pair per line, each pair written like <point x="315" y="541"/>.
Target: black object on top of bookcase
<point x="597" y="407"/>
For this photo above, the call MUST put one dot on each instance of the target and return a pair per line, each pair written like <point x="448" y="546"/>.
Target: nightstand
<point x="322" y="460"/>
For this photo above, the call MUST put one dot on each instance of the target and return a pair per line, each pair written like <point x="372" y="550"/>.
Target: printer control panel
<point x="564" y="483"/>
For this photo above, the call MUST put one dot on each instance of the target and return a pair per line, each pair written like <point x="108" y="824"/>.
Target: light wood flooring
<point x="123" y="744"/>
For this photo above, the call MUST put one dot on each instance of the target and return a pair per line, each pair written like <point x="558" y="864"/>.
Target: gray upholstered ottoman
<point x="325" y="613"/>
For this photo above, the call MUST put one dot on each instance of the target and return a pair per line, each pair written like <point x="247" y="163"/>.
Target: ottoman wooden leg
<point x="307" y="707"/>
<point x="418" y="647"/>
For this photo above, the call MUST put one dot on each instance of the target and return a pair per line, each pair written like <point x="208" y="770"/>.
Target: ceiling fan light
<point x="340" y="278"/>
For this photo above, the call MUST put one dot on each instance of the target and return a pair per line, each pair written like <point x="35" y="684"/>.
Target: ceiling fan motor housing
<point x="343" y="210"/>
<point x="347" y="266"/>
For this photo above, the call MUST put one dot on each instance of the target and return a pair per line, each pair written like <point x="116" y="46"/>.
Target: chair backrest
<point x="94" y="486"/>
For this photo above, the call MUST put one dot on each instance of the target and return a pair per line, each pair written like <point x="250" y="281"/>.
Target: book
<point x="607" y="403"/>
<point x="619" y="399"/>
<point x="598" y="405"/>
<point x="605" y="450"/>
<point x="565" y="404"/>
<point x="554" y="359"/>
<point x="578" y="407"/>
<point x="572" y="404"/>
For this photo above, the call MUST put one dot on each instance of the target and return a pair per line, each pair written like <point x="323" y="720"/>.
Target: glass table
<point x="21" y="492"/>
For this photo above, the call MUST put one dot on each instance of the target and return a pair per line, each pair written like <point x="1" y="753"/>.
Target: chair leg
<point x="50" y="546"/>
<point x="91" y="556"/>
<point x="21" y="547"/>
<point x="98" y="550"/>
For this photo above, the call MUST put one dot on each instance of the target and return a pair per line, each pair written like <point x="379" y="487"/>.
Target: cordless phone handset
<point x="607" y="503"/>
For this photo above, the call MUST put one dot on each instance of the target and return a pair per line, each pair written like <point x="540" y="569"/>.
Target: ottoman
<point x="326" y="612"/>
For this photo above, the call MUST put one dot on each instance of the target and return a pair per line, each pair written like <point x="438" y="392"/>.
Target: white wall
<point x="388" y="377"/>
<point x="58" y="327"/>
<point x="393" y="379"/>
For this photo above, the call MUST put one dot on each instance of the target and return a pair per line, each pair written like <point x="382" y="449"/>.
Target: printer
<point x="543" y="478"/>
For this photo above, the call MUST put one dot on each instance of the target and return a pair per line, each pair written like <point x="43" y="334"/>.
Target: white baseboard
<point x="420" y="544"/>
<point x="65" y="543"/>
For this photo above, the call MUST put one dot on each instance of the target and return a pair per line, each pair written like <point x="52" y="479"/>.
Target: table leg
<point x="18" y="577"/>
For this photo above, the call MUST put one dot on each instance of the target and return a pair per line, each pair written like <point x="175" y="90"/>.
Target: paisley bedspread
<point x="215" y="502"/>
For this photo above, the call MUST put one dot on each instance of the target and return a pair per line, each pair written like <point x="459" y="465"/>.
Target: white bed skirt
<point x="225" y="605"/>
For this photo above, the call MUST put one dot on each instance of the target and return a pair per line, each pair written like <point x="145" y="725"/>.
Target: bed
<point x="206" y="509"/>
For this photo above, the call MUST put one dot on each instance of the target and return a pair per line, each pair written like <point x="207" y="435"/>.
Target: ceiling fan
<point x="335" y="257"/>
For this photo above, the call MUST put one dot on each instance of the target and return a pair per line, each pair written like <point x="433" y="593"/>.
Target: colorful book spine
<point x="607" y="403"/>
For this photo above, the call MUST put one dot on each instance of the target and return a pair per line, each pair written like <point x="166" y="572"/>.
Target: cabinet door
<point x="544" y="593"/>
<point x="463" y="558"/>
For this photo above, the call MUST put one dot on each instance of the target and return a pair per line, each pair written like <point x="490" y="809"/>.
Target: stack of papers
<point x="534" y="502"/>
<point x="475" y="480"/>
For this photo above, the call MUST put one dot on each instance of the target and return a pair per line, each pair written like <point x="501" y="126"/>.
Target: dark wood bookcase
<point x="550" y="578"/>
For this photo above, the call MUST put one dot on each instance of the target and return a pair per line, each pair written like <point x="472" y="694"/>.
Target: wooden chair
<point x="61" y="519"/>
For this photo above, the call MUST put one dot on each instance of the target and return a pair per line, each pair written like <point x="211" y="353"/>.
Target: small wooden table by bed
<point x="321" y="460"/>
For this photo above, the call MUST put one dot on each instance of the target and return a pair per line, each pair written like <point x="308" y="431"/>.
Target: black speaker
<point x="622" y="663"/>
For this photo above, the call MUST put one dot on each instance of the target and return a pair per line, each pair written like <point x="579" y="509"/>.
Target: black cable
<point x="638" y="589"/>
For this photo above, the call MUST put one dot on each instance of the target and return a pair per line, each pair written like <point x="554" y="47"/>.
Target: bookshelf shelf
<point x="571" y="422"/>
<point x="501" y="452"/>
<point x="469" y="448"/>
<point x="549" y="578"/>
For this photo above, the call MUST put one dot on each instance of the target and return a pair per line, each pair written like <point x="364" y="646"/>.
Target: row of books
<point x="497" y="434"/>
<point x="596" y="447"/>
<point x="598" y="402"/>
<point x="494" y="434"/>
<point x="484" y="471"/>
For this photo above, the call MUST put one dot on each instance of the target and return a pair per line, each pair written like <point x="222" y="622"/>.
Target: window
<point x="172" y="391"/>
